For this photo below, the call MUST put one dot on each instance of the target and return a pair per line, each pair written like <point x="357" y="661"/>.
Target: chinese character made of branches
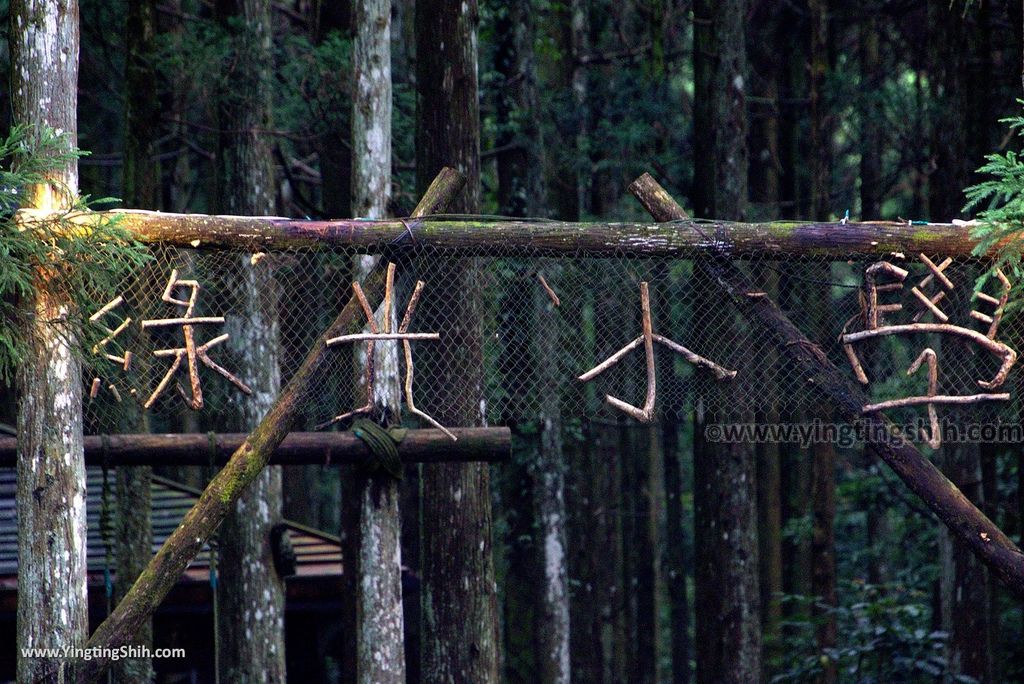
<point x="377" y="334"/>
<point x="876" y="327"/>
<point x="101" y="347"/>
<point x="192" y="353"/>
<point x="647" y="339"/>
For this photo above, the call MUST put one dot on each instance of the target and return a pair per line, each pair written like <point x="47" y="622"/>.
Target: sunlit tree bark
<point x="52" y="604"/>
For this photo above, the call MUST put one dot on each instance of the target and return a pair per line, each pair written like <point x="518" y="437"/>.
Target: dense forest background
<point x="758" y="110"/>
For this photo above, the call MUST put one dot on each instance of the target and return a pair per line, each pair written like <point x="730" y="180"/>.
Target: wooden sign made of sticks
<point x="647" y="339"/>
<point x="384" y="333"/>
<point x="191" y="352"/>
<point x="101" y="347"/>
<point x="875" y="327"/>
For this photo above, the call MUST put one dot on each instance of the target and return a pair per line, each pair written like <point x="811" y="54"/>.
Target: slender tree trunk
<point x="725" y="501"/>
<point x="335" y="151"/>
<point x="519" y="164"/>
<point x="870" y="120"/>
<point x="250" y="592"/>
<point x="676" y="568"/>
<point x="572" y="22"/>
<point x="823" y="575"/>
<point x="989" y="454"/>
<point x="594" y="510"/>
<point x="769" y="503"/>
<point x="549" y="505"/>
<point x="964" y="579"/>
<point x="520" y="193"/>
<point x="50" y="499"/>
<point x="823" y="455"/>
<point x="821" y="136"/>
<point x="134" y="536"/>
<point x="380" y="627"/>
<point x="459" y="597"/>
<point x="949" y="49"/>
<point x="650" y="575"/>
<point x="764" y="174"/>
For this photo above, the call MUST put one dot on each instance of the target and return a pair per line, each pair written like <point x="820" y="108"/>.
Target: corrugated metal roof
<point x="318" y="553"/>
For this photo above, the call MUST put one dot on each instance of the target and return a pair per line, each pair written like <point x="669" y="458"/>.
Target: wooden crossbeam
<point x="492" y="445"/>
<point x="521" y="237"/>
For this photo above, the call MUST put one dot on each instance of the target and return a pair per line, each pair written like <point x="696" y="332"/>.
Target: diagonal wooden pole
<point x="963" y="518"/>
<point x="220" y="495"/>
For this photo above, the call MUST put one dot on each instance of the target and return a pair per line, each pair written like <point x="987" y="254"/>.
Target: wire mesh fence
<point x="544" y="321"/>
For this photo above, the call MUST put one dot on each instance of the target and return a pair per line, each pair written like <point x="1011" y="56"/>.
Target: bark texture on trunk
<point x="460" y="641"/>
<point x="964" y="585"/>
<point x="549" y="505"/>
<point x="871" y="76"/>
<point x="251" y="594"/>
<point x="52" y="604"/>
<point x="519" y="163"/>
<point x="380" y="647"/>
<point x="823" y="456"/>
<point x="727" y="593"/>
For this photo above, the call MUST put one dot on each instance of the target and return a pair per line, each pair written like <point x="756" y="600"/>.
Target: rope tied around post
<point x="383" y="445"/>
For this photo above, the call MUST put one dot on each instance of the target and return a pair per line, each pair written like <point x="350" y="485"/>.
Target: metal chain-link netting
<point x="543" y="322"/>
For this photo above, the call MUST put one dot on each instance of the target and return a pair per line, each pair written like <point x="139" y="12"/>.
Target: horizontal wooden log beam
<point x="485" y="237"/>
<point x="298" y="448"/>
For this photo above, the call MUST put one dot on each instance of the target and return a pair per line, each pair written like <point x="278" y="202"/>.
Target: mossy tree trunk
<point x="251" y="595"/>
<point x="52" y="602"/>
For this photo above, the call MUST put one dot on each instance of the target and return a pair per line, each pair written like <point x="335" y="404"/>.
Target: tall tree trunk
<point x="821" y="135"/>
<point x="549" y="505"/>
<point x="823" y="575"/>
<point x="675" y="531"/>
<point x="948" y="51"/>
<point x="572" y="22"/>
<point x="963" y="578"/>
<point x="459" y="598"/>
<point x="334" y="151"/>
<point x="50" y="499"/>
<point x="725" y="501"/>
<point x="870" y="120"/>
<point x="380" y="626"/>
<point x="250" y="592"/>
<point x="765" y="188"/>
<point x="520" y="193"/>
<point x="650" y="576"/>
<point x="964" y="584"/>
<point x="134" y="536"/>
<point x="823" y="455"/>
